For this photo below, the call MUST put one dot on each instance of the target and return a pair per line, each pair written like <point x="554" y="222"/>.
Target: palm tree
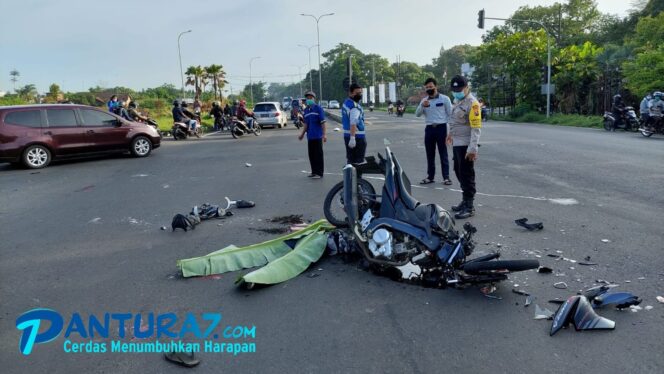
<point x="14" y="77"/>
<point x="195" y="76"/>
<point x="216" y="74"/>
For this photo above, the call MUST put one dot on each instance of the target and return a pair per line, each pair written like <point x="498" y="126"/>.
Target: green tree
<point x="259" y="90"/>
<point x="646" y="72"/>
<point x="195" y="77"/>
<point x="448" y="63"/>
<point x="14" y="74"/>
<point x="217" y="76"/>
<point x="53" y="93"/>
<point x="576" y="76"/>
<point x="27" y="92"/>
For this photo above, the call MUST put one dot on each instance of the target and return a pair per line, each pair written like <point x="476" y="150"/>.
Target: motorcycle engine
<point x="384" y="243"/>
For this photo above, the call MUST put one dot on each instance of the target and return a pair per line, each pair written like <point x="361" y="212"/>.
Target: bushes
<point x="555" y="119"/>
<point x="12" y="100"/>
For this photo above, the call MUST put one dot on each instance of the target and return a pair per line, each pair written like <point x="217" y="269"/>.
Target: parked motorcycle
<point x="396" y="230"/>
<point x="655" y="125"/>
<point x="181" y="130"/>
<point x="241" y="128"/>
<point x="400" y="110"/>
<point x="629" y="121"/>
<point x="371" y="107"/>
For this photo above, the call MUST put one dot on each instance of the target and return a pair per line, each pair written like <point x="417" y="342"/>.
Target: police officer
<point x="465" y="127"/>
<point x="314" y="127"/>
<point x="352" y="118"/>
<point x="437" y="109"/>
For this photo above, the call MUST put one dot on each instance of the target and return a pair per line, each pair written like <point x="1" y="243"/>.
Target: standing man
<point x="437" y="109"/>
<point x="465" y="128"/>
<point x="314" y="127"/>
<point x="352" y="118"/>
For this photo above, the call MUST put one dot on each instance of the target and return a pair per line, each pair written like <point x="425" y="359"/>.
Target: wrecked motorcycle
<point x="397" y="230"/>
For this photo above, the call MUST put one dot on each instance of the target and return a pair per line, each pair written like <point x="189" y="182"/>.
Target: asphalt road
<point x="85" y="237"/>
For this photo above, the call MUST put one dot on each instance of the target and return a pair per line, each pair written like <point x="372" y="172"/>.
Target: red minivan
<point x="33" y="135"/>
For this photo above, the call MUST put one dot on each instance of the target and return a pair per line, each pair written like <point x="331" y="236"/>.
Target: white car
<point x="269" y="114"/>
<point x="333" y="104"/>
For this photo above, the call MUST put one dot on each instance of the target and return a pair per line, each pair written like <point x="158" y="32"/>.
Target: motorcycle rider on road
<point x="134" y="114"/>
<point x="656" y="108"/>
<point x="218" y="113"/>
<point x="180" y="116"/>
<point x="644" y="108"/>
<point x="618" y="109"/>
<point x="243" y="114"/>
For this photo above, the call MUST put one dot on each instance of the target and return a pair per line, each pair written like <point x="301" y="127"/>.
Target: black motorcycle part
<point x="529" y="226"/>
<point x="488" y="257"/>
<point x="502" y="265"/>
<point x="578" y="311"/>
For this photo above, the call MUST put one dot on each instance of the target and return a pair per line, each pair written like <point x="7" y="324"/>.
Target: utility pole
<point x="320" y="68"/>
<point x="251" y="85"/>
<point x="350" y="70"/>
<point x="180" y="56"/>
<point x="373" y="76"/>
<point x="311" y="79"/>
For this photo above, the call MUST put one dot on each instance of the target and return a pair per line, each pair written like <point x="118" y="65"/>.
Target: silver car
<point x="269" y="114"/>
<point x="333" y="104"/>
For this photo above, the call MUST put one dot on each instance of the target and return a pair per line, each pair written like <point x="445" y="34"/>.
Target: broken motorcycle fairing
<point x="578" y="311"/>
<point x="397" y="230"/>
<point x="600" y="297"/>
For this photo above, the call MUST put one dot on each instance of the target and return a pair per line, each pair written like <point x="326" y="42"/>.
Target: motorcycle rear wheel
<point x="257" y="129"/>
<point x="334" y="199"/>
<point x="499" y="265"/>
<point x="236" y="133"/>
<point x="608" y="125"/>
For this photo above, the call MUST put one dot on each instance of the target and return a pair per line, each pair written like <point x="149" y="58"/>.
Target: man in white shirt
<point x="437" y="109"/>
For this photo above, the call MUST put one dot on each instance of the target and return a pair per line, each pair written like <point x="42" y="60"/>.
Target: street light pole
<point x="320" y="69"/>
<point x="251" y="84"/>
<point x="299" y="76"/>
<point x="548" y="55"/>
<point x="311" y="79"/>
<point x="180" y="56"/>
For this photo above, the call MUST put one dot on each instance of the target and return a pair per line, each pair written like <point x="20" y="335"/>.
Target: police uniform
<point x="465" y="128"/>
<point x="351" y="112"/>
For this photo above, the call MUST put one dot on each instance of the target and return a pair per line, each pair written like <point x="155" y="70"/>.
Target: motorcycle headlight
<point x="445" y="221"/>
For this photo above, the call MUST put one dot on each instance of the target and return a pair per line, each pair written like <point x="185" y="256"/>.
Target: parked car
<point x="269" y="114"/>
<point x="324" y="103"/>
<point x="334" y="104"/>
<point x="33" y="135"/>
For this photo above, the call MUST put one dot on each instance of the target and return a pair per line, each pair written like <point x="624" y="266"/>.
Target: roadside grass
<point x="574" y="120"/>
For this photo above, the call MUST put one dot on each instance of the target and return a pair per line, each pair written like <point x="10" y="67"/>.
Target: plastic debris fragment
<point x="544" y="270"/>
<point x="542" y="313"/>
<point x="648" y="307"/>
<point x="587" y="263"/>
<point x="660" y="299"/>
<point x="606" y="241"/>
<point x="560" y="285"/>
<point x="529" y="300"/>
<point x="520" y="292"/>
<point x="247" y="165"/>
<point x="529" y="226"/>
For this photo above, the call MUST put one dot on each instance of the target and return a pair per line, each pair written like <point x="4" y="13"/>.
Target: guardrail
<point x="334" y="116"/>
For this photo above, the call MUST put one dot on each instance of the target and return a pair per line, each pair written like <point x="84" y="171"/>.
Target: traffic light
<point x="480" y="19"/>
<point x="544" y="73"/>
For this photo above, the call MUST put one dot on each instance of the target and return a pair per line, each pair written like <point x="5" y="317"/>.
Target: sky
<point x="133" y="43"/>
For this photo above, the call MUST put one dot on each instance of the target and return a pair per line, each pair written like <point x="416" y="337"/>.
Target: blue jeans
<point x="192" y="124"/>
<point x="250" y="123"/>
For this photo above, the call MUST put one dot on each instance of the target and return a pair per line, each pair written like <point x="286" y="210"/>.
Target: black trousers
<point x="435" y="136"/>
<point x="465" y="172"/>
<point x="356" y="155"/>
<point x="316" y="156"/>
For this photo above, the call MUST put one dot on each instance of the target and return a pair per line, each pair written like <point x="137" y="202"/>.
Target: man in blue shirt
<point x="352" y="118"/>
<point x="314" y="127"/>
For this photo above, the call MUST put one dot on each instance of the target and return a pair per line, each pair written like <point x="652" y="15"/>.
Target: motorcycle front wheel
<point x="608" y="125"/>
<point x="333" y="207"/>
<point x="236" y="133"/>
<point x="257" y="129"/>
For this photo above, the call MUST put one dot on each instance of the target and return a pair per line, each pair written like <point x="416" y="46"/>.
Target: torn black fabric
<point x="529" y="226"/>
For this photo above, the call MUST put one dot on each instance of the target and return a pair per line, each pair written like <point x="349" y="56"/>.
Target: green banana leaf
<point x="307" y="251"/>
<point x="234" y="258"/>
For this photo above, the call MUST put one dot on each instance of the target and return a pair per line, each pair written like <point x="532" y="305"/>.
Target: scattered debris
<point x="271" y="230"/>
<point x="560" y="285"/>
<point x="544" y="270"/>
<point x="95" y="220"/>
<point x="520" y="292"/>
<point x="552" y="255"/>
<point x="606" y="241"/>
<point x="641" y="278"/>
<point x="648" y="307"/>
<point x="587" y="263"/>
<point x="660" y="299"/>
<point x="313" y="275"/>
<point x="247" y="165"/>
<point x="163" y="228"/>
<point x="542" y="313"/>
<point x="587" y="258"/>
<point x="180" y="221"/>
<point x="529" y="300"/>
<point x="488" y="290"/>
<point x="165" y="186"/>
<point x="86" y="188"/>
<point x="529" y="226"/>
<point x="139" y="175"/>
<point x="578" y="311"/>
<point x="336" y="129"/>
<point x="185" y="359"/>
<point x="634" y="308"/>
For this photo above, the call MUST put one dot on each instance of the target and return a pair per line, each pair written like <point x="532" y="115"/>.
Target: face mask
<point x="310" y="102"/>
<point x="357" y="98"/>
<point x="431" y="91"/>
<point x="657" y="98"/>
<point x="458" y="95"/>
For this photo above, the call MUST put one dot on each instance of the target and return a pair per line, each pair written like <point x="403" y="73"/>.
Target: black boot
<point x="467" y="212"/>
<point x="458" y="208"/>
